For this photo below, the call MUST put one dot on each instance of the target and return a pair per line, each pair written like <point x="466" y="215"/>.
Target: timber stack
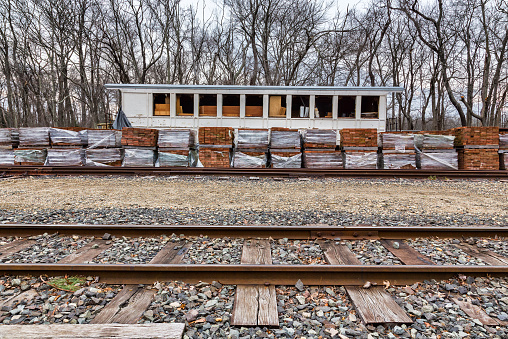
<point x="437" y="151"/>
<point x="251" y="148"/>
<point x="360" y="148"/>
<point x="33" y="146"/>
<point x="477" y="147"/>
<point x="140" y="145"/>
<point x="503" y="149"/>
<point x="66" y="148"/>
<point x="177" y="148"/>
<point x="285" y="148"/>
<point x="215" y="144"/>
<point x="320" y="149"/>
<point x="6" y="152"/>
<point x="104" y="148"/>
<point x="398" y="151"/>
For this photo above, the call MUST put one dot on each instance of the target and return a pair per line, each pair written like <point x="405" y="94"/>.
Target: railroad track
<point x="260" y="172"/>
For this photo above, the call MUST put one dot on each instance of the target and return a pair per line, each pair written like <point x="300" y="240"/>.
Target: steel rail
<point x="256" y="274"/>
<point x="260" y="172"/>
<point x="258" y="231"/>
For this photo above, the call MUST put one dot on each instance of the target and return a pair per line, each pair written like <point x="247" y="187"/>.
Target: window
<point x="300" y="106"/>
<point x="347" y="107"/>
<point x="370" y="107"/>
<point x="185" y="105"/>
<point x="161" y="104"/>
<point x="254" y="105"/>
<point x="277" y="108"/>
<point x="207" y="105"/>
<point x="323" y="107"/>
<point x="231" y="105"/>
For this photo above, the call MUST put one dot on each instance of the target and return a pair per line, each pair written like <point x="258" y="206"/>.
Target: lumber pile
<point x="503" y="150"/>
<point x="6" y="157"/>
<point x="65" y="137"/>
<point x="162" y="109"/>
<point x="215" y="144"/>
<point x="398" y="150"/>
<point x="33" y="137"/>
<point x="207" y="111"/>
<point x="477" y="147"/>
<point x="104" y="157"/>
<point x="139" y="137"/>
<point x="251" y="148"/>
<point x="360" y="148"/>
<point x="5" y="138"/>
<point x="177" y="158"/>
<point x="437" y="152"/>
<point x="319" y="149"/>
<point x="104" y="138"/>
<point x="254" y="111"/>
<point x="230" y="111"/>
<point x="320" y="138"/>
<point x="139" y="157"/>
<point x="65" y="157"/>
<point x="285" y="149"/>
<point x="30" y="157"/>
<point x="176" y="148"/>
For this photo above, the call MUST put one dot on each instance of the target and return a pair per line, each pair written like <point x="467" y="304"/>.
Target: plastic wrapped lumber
<point x="476" y="136"/>
<point x="286" y="159"/>
<point x="252" y="138"/>
<point x="398" y="142"/>
<point x="104" y="138"/>
<point x="433" y="141"/>
<point x="30" y="157"/>
<point x="6" y="157"/>
<point x="215" y="157"/>
<point x="399" y="160"/>
<point x="5" y="138"/>
<point x="139" y="157"/>
<point x="216" y="136"/>
<point x="34" y="137"/>
<point x="176" y="138"/>
<point x="177" y="158"/>
<point x="104" y="157"/>
<point x="360" y="159"/>
<point x="64" y="137"/>
<point x="503" y="141"/>
<point x="320" y="138"/>
<point x="322" y="159"/>
<point x="478" y="159"/>
<point x="503" y="161"/>
<point x="358" y="137"/>
<point x="139" y="137"/>
<point x="285" y="138"/>
<point x="65" y="157"/>
<point x="439" y="160"/>
<point x="249" y="159"/>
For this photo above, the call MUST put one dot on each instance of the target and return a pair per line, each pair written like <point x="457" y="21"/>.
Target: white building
<point x="192" y="106"/>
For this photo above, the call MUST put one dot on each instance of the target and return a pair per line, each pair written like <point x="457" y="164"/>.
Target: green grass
<point x="70" y="284"/>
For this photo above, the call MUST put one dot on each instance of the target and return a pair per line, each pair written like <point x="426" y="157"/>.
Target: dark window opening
<point x="254" y="106"/>
<point x="324" y="106"/>
<point x="300" y="106"/>
<point x="184" y="104"/>
<point x="208" y="105"/>
<point x="161" y="104"/>
<point x="370" y="107"/>
<point x="277" y="107"/>
<point x="231" y="105"/>
<point x="347" y="107"/>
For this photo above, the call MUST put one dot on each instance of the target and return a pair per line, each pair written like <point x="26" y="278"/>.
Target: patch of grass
<point x="433" y="177"/>
<point x="69" y="284"/>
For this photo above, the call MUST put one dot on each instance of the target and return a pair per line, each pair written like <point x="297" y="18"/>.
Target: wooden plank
<point x="267" y="300"/>
<point x="486" y="255"/>
<point x="474" y="311"/>
<point x="406" y="254"/>
<point x="375" y="306"/>
<point x="127" y="307"/>
<point x="245" y="311"/>
<point x="14" y="246"/>
<point x="338" y="254"/>
<point x="23" y="296"/>
<point x="87" y="252"/>
<point x="257" y="252"/>
<point x="171" y="253"/>
<point x="117" y="331"/>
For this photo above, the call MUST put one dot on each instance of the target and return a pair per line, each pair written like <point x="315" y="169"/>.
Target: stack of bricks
<point x="503" y="149"/>
<point x="320" y="149"/>
<point x="139" y="145"/>
<point x="398" y="151"/>
<point x="285" y="148"/>
<point x="437" y="152"/>
<point x="104" y="147"/>
<point x="6" y="152"/>
<point x="477" y="147"/>
<point x="176" y="148"/>
<point x="360" y="148"/>
<point x="215" y="144"/>
<point x="251" y="148"/>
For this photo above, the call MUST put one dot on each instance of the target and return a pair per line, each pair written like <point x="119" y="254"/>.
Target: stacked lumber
<point x="285" y="149"/>
<point x="320" y="138"/>
<point x="138" y="157"/>
<point x="162" y="109"/>
<point x="398" y="150"/>
<point x="230" y="111"/>
<point x="104" y="157"/>
<point x="177" y="158"/>
<point x="503" y="140"/>
<point x="254" y="111"/>
<point x="251" y="148"/>
<point x="30" y="157"/>
<point x="437" y="152"/>
<point x="139" y="137"/>
<point x="104" y="138"/>
<point x="360" y="148"/>
<point x="5" y="138"/>
<point x="503" y="150"/>
<point x="176" y="148"/>
<point x="503" y="161"/>
<point x="65" y="157"/>
<point x="477" y="147"/>
<point x="33" y="137"/>
<point x="215" y="145"/>
<point x="322" y="158"/>
<point x="6" y="157"/>
<point x="207" y="111"/>
<point x="65" y="137"/>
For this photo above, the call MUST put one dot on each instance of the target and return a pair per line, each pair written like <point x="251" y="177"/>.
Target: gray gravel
<point x="442" y="252"/>
<point x="296" y="252"/>
<point x="371" y="252"/>
<point x="205" y="250"/>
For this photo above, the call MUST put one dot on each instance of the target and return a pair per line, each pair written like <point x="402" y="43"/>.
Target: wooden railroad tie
<point x="14" y="246"/>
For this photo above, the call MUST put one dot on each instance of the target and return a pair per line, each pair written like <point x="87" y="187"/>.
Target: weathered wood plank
<point x="14" y="246"/>
<point x="246" y="306"/>
<point x="23" y="296"/>
<point x="486" y="255"/>
<point x="117" y="331"/>
<point x="257" y="252"/>
<point x="406" y="254"/>
<point x="87" y="252"/>
<point x="474" y="311"/>
<point x="375" y="306"/>
<point x="171" y="253"/>
<point x="338" y="254"/>
<point x="267" y="312"/>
